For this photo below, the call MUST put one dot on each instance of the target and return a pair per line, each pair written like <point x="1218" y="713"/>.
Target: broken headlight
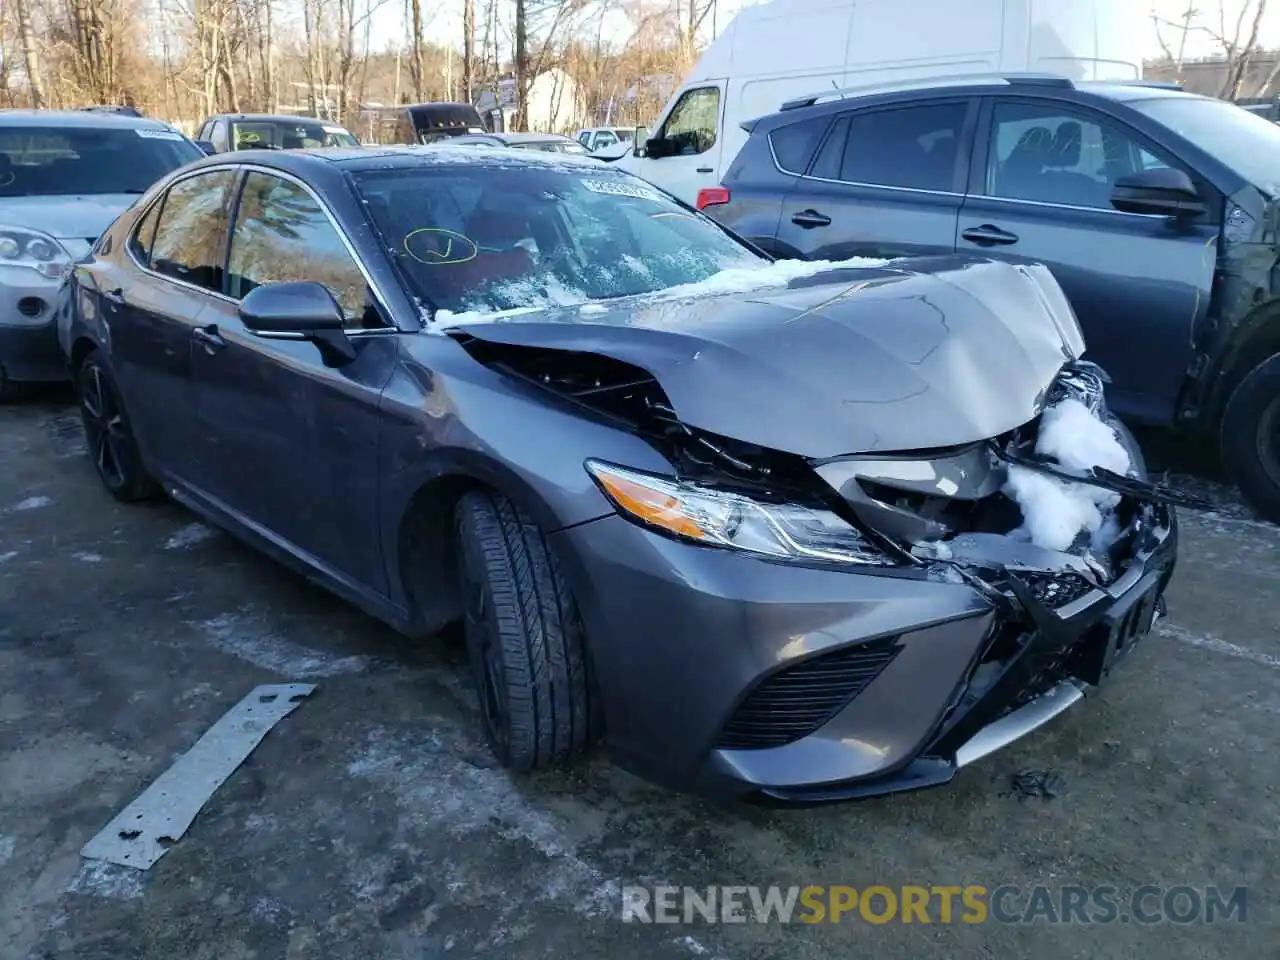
<point x="720" y="518"/>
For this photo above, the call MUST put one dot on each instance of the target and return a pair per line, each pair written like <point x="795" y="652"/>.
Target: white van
<point x="789" y="48"/>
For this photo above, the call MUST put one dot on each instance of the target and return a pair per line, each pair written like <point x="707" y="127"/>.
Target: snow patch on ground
<point x="8" y="555"/>
<point x="1216" y="645"/>
<point x="189" y="536"/>
<point x="102" y="879"/>
<point x="542" y="296"/>
<point x="8" y="845"/>
<point x="32" y="503"/>
<point x="86" y="557"/>
<point x="242" y="637"/>
<point x="464" y="799"/>
<point x="1055" y="513"/>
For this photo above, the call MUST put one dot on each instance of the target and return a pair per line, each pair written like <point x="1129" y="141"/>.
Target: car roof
<point x="527" y="137"/>
<point x="86" y="119"/>
<point x="395" y="157"/>
<point x="273" y="117"/>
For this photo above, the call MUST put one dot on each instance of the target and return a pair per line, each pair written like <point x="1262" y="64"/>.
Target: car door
<point x="691" y="133"/>
<point x="289" y="445"/>
<point x="886" y="182"/>
<point x="1040" y="190"/>
<point x="152" y="301"/>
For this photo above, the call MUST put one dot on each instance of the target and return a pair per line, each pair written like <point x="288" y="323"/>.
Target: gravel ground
<point x="372" y="823"/>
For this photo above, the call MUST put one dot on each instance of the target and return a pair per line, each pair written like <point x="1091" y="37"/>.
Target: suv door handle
<point x="210" y="337"/>
<point x="115" y="296"/>
<point x="706" y="170"/>
<point x="989" y="235"/>
<point x="811" y="218"/>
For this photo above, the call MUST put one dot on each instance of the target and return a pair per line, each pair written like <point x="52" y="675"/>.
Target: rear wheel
<point x="108" y="435"/>
<point x="524" y="637"/>
<point x="1251" y="437"/>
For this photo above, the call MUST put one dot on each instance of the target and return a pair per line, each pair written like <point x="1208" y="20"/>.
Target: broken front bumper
<point x="773" y="682"/>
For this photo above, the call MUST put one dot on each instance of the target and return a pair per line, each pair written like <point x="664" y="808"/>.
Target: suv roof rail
<point x="1154" y="84"/>
<point x="924" y="83"/>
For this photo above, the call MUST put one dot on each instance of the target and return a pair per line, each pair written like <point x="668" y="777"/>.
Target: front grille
<point x="792" y="703"/>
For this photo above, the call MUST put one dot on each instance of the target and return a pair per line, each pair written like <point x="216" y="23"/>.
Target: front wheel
<point x="524" y="637"/>
<point x="108" y="435"/>
<point x="1251" y="437"/>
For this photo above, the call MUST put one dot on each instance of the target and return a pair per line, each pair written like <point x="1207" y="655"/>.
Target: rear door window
<point x="794" y="144"/>
<point x="192" y="228"/>
<point x="916" y="147"/>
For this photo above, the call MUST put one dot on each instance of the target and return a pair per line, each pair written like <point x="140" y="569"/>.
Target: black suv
<point x="1158" y="211"/>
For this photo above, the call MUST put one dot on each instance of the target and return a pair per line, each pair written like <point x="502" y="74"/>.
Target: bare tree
<point x="30" y="57"/>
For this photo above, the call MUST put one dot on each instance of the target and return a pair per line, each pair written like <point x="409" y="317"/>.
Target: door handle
<point x="210" y="337"/>
<point x="989" y="235"/>
<point x="115" y="296"/>
<point x="706" y="170"/>
<point x="811" y="218"/>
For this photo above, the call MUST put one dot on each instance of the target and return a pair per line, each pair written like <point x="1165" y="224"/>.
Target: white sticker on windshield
<point x="333" y="129"/>
<point x="620" y="188"/>
<point x="158" y="134"/>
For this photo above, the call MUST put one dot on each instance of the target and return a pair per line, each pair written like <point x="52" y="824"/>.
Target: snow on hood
<point x="64" y="218"/>
<point x="904" y="355"/>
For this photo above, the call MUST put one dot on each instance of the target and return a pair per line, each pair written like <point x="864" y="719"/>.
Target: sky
<point x="444" y="21"/>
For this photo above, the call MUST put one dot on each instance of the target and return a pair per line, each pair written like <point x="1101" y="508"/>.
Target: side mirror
<point x="298" y="310"/>
<point x="655" y="148"/>
<point x="1166" y="192"/>
<point x="207" y="146"/>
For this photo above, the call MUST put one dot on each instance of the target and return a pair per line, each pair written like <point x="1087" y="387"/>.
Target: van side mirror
<point x="206" y="146"/>
<point x="1164" y="192"/>
<point x="655" y="148"/>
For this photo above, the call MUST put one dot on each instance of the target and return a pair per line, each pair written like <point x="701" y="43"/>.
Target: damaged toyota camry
<point x="781" y="531"/>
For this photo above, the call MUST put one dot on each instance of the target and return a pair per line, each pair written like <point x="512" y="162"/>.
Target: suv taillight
<point x="712" y="197"/>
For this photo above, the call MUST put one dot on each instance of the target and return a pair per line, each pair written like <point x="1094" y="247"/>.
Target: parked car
<point x="64" y="176"/>
<point x="270" y="131"/>
<point x="600" y="138"/>
<point x="1153" y="207"/>
<point x="745" y="517"/>
<point x="431" y="122"/>
<point x="545" y="142"/>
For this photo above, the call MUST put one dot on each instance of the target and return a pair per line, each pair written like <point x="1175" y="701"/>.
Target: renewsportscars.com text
<point x="943" y="904"/>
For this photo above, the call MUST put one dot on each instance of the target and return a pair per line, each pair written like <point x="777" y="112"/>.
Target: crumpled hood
<point x="64" y="218"/>
<point x="921" y="353"/>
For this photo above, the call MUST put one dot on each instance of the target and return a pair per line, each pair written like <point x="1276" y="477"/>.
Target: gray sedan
<point x="788" y="531"/>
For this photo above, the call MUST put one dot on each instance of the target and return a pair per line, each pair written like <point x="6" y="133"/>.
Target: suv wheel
<point x="108" y="435"/>
<point x="1251" y="437"/>
<point x="524" y="638"/>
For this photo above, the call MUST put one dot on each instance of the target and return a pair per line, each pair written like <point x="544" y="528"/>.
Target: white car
<point x="600" y="138"/>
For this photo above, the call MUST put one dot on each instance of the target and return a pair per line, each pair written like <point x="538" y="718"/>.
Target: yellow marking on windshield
<point x="466" y="248"/>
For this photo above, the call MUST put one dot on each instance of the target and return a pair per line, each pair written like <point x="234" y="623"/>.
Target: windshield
<point x="1244" y="142"/>
<point x="472" y="237"/>
<point x="289" y="135"/>
<point x="51" y="161"/>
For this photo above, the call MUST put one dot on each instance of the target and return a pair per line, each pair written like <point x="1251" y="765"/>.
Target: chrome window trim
<point x="247" y="168"/>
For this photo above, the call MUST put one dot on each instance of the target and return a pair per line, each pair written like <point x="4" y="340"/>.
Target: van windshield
<point x="1243" y="141"/>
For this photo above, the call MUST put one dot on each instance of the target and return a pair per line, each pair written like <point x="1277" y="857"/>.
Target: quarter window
<point x="915" y="147"/>
<point x="144" y="235"/>
<point x="192" y="227"/>
<point x="794" y="144"/>
<point x="694" y="121"/>
<point x="282" y="234"/>
<point x="1039" y="152"/>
